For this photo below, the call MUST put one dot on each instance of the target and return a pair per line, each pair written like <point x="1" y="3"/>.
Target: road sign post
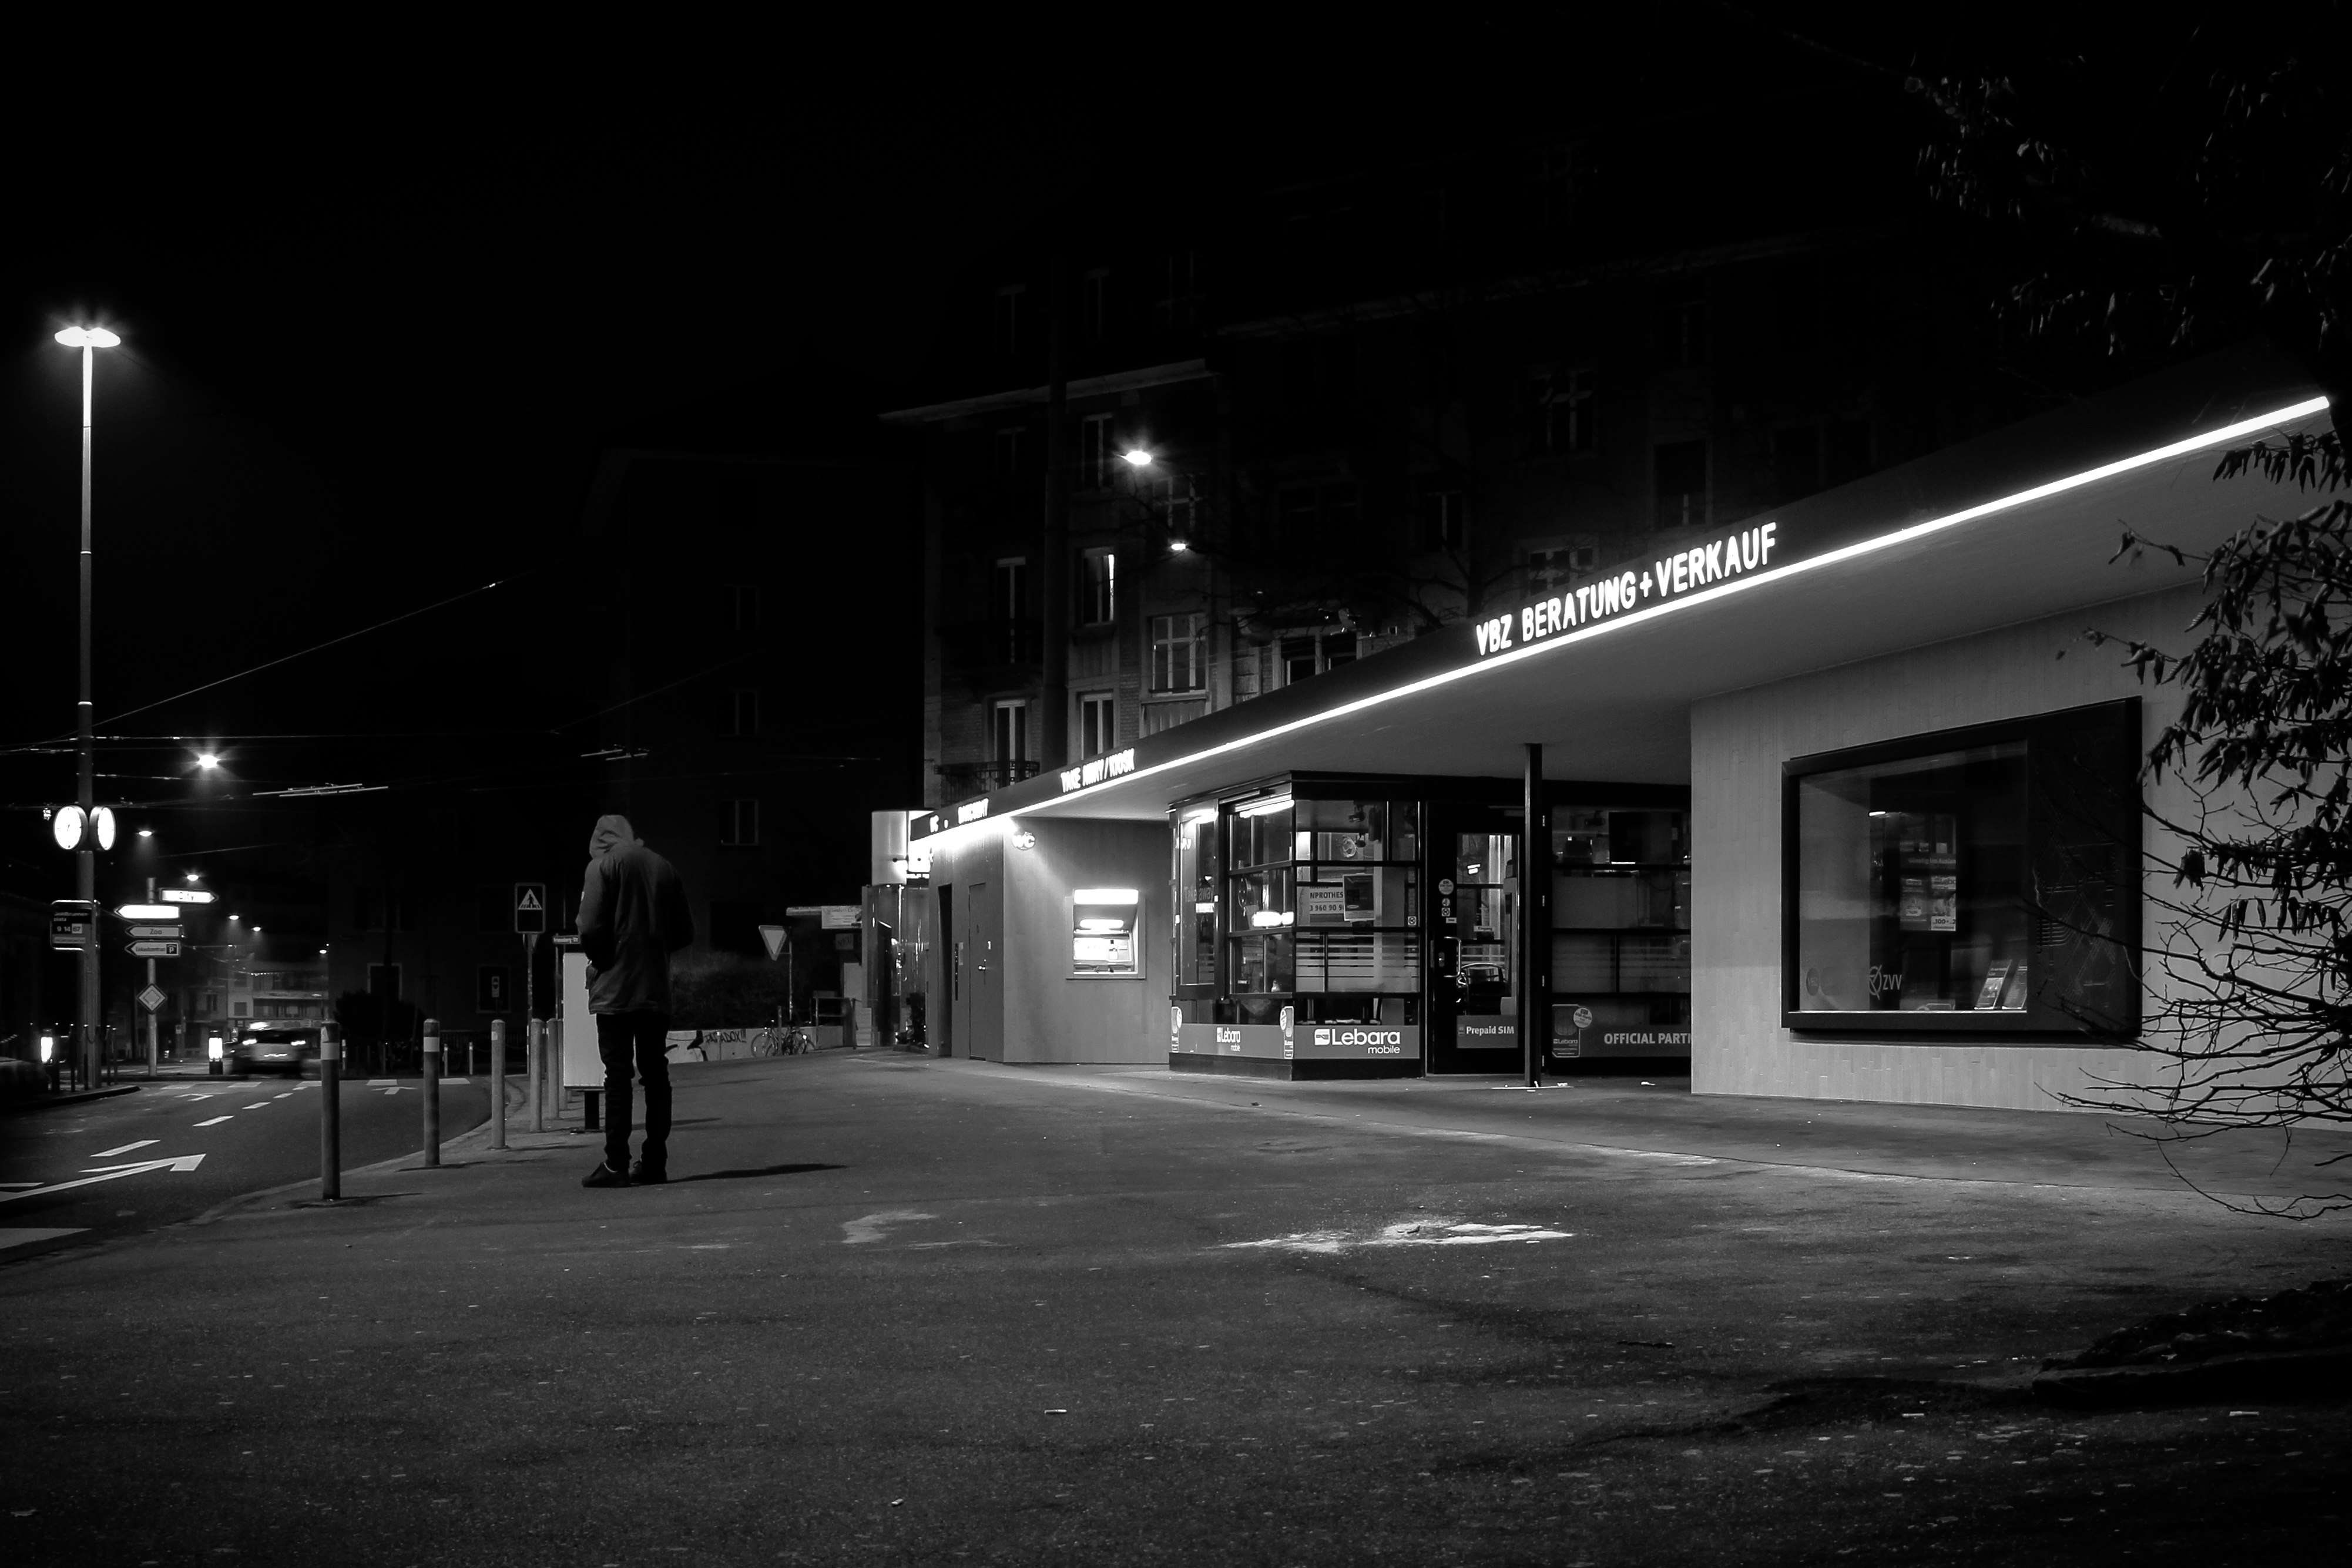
<point x="432" y="1092"/>
<point x="498" y="1083"/>
<point x="331" y="1112"/>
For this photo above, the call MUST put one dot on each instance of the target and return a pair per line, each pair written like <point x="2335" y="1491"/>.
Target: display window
<point x="1978" y="881"/>
<point x="1621" y="923"/>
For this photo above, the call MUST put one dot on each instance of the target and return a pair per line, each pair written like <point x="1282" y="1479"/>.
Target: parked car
<point x="276" y="1047"/>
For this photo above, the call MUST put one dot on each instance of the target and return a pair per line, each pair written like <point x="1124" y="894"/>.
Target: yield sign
<point x="184" y="1163"/>
<point x="150" y="999"/>
<point x="773" y="935"/>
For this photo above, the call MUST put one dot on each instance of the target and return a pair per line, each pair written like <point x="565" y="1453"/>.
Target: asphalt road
<point x="224" y="1137"/>
<point x="900" y="1311"/>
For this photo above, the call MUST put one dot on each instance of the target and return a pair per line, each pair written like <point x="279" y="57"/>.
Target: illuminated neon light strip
<point x="1739" y="585"/>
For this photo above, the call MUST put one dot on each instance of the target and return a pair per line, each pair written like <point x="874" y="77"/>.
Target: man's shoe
<point x="604" y="1175"/>
<point x="643" y="1174"/>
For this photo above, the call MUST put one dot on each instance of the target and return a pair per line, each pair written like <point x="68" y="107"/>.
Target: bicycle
<point x="792" y="1040"/>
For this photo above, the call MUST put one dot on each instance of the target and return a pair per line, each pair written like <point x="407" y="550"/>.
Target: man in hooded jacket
<point x="633" y="916"/>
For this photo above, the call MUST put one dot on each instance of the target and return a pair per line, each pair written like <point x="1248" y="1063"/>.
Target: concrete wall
<point x="1051" y="1015"/>
<point x="1739" y="743"/>
<point x="1047" y="1013"/>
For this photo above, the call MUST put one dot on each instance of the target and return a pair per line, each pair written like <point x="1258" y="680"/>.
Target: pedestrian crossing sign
<point x="531" y="908"/>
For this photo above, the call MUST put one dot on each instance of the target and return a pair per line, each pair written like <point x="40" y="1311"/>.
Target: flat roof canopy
<point x="2011" y="528"/>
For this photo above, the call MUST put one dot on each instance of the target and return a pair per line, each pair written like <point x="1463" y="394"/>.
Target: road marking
<point x="27" y="1238"/>
<point x="110" y="1154"/>
<point x="199" y="1096"/>
<point x="447" y="1081"/>
<point x="1408" y="1233"/>
<point x="288" y="1095"/>
<point x="856" y="1232"/>
<point x="216" y="1122"/>
<point x="382" y="1083"/>
<point x="256" y="1105"/>
<point x="183" y="1163"/>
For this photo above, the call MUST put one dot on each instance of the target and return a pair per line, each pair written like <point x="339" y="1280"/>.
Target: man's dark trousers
<point x="633" y="1041"/>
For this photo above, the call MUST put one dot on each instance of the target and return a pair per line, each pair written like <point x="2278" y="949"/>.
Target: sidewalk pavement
<point x="1661" y="1116"/>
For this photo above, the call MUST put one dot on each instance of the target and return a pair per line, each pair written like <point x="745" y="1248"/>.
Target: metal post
<point x="331" y="1112"/>
<point x="86" y="794"/>
<point x="537" y="1047"/>
<point x="155" y="1052"/>
<point x="1534" y="920"/>
<point x="498" y="1083"/>
<point x="432" y="1092"/>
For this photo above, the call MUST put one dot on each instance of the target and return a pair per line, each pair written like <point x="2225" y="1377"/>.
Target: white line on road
<point x="216" y="1122"/>
<point x="873" y="1226"/>
<point x="256" y="1105"/>
<point x="183" y="1163"/>
<point x="27" y="1238"/>
<point x="288" y="1095"/>
<point x="110" y="1154"/>
<point x="382" y="1083"/>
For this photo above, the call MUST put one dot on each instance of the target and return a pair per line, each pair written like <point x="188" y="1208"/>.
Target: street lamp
<point x="88" y="340"/>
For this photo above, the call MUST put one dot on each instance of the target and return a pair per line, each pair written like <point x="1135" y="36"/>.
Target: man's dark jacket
<point x="633" y="915"/>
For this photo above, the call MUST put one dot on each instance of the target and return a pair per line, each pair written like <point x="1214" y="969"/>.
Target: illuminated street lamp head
<point x="208" y="760"/>
<point x="88" y="338"/>
<point x="190" y="876"/>
<point x="1136" y="458"/>
<point x="146" y="832"/>
<point x="1178" y="547"/>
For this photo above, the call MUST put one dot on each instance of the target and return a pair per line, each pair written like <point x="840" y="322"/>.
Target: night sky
<point x="382" y="310"/>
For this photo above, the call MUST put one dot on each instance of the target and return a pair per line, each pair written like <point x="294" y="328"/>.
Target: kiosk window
<point x="1983" y="879"/>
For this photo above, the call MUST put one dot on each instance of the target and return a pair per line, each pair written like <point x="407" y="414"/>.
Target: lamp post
<point x="88" y="340"/>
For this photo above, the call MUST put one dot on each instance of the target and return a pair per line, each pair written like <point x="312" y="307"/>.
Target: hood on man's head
<point x="611" y="832"/>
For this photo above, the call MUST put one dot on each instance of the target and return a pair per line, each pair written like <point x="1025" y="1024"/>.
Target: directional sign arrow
<point x="110" y="1173"/>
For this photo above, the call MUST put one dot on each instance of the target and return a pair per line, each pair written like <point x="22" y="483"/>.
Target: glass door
<point x="1474" y="1014"/>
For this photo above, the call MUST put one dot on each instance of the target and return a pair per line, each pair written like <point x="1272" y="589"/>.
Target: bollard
<point x="331" y="1112"/>
<point x="432" y="1092"/>
<point x="537" y="1046"/>
<point x="498" y="1083"/>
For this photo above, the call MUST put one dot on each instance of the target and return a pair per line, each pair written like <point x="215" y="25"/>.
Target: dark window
<point x="1560" y="412"/>
<point x="1008" y="454"/>
<point x="1010" y="739"/>
<point x="1807" y="458"/>
<point x="1180" y="306"/>
<point x="1009" y="319"/>
<point x="744" y="604"/>
<point x="1098" y="722"/>
<point x="1179" y="649"/>
<point x="1097" y="306"/>
<point x="1681" y="319"/>
<point x="383" y="980"/>
<point x="1444" y="520"/>
<point x="1316" y="517"/>
<point x="1681" y="475"/>
<point x="1098" y="585"/>
<point x="1558" y="175"/>
<point x="739" y="822"/>
<point x="1979" y="880"/>
<point x="1797" y="309"/>
<point x="1015" y="635"/>
<point x="1095" y="452"/>
<point x="739" y="711"/>
<point x="371" y="909"/>
<point x="1318" y="374"/>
